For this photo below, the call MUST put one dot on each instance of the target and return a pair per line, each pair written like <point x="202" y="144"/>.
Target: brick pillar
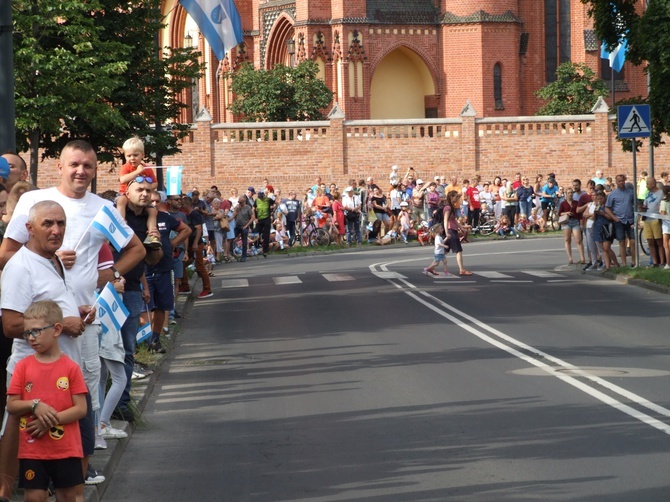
<point x="469" y="161"/>
<point x="204" y="144"/>
<point x="602" y="136"/>
<point x="337" y="138"/>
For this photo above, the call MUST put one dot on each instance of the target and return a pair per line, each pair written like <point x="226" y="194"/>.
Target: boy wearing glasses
<point x="48" y="392"/>
<point x="134" y="170"/>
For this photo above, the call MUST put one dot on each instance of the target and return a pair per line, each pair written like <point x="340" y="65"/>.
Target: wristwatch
<point x="116" y="274"/>
<point x="35" y="403"/>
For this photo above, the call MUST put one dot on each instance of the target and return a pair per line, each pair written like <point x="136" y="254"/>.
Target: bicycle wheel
<point x="319" y="237"/>
<point x="487" y="228"/>
<point x="552" y="220"/>
<point x="644" y="245"/>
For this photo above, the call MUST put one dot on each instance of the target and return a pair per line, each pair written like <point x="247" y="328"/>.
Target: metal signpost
<point x="634" y="121"/>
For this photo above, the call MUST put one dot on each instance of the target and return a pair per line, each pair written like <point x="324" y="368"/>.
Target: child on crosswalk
<point x="440" y="253"/>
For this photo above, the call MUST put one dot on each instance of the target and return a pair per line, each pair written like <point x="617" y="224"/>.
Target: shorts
<point x="35" y="474"/>
<point x="383" y="216"/>
<point x="178" y="266"/>
<point x="653" y="229"/>
<point x="87" y="429"/>
<point x="162" y="291"/>
<point x="546" y="205"/>
<point x="623" y="230"/>
<point x="454" y="241"/>
<point x="439" y="257"/>
<point x="572" y="223"/>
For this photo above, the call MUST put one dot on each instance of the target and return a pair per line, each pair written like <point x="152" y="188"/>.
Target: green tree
<point x="63" y="70"/>
<point x="574" y="92"/>
<point x="279" y="94"/>
<point x="91" y="69"/>
<point x="648" y="37"/>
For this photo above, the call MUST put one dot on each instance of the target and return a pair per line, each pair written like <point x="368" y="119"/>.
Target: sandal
<point x="466" y="272"/>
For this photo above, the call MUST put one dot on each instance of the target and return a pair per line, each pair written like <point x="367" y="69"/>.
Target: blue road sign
<point x="634" y="121"/>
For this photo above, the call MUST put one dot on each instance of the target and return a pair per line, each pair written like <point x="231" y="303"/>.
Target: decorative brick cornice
<point x="480" y="17"/>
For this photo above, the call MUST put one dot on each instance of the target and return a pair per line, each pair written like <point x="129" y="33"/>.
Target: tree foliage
<point x="279" y="94"/>
<point x="574" y="92"/>
<point x="646" y="26"/>
<point x="89" y="69"/>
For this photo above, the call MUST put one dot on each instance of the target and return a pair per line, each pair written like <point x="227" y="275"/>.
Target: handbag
<point x="563" y="219"/>
<point x="607" y="231"/>
<point x="225" y="224"/>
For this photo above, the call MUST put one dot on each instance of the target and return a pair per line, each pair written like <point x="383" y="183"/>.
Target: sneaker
<point x="205" y="294"/>
<point x="177" y="315"/>
<point x="157" y="348"/>
<point x="588" y="266"/>
<point x="166" y="330"/>
<point x="109" y="432"/>
<point x="172" y="321"/>
<point x="184" y="292"/>
<point x="100" y="443"/>
<point x="137" y="375"/>
<point x="92" y="477"/>
<point x="666" y="267"/>
<point x="426" y="272"/>
<point x="601" y="268"/>
<point x="152" y="242"/>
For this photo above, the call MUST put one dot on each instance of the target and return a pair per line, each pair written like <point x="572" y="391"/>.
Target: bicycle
<point x="552" y="215"/>
<point x="312" y="235"/>
<point x="487" y="223"/>
<point x="644" y="245"/>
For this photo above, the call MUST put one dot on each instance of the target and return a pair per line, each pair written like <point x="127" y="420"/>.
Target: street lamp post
<point x="7" y="116"/>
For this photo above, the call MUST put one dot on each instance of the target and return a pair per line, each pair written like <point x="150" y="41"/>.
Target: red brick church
<point x="409" y="59"/>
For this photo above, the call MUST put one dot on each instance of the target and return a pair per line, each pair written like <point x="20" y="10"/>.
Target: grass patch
<point x="655" y="275"/>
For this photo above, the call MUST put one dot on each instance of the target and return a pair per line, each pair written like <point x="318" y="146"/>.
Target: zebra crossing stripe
<point x="542" y="274"/>
<point x="235" y="283"/>
<point x="337" y="277"/>
<point x="291" y="279"/>
<point x="493" y="275"/>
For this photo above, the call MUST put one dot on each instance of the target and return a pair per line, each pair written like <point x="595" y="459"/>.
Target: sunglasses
<point x="142" y="179"/>
<point x="36" y="332"/>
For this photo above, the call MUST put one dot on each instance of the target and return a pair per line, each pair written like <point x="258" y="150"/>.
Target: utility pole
<point x="7" y="115"/>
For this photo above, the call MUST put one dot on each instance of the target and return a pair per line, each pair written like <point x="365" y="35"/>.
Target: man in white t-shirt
<point x="79" y="252"/>
<point x="35" y="273"/>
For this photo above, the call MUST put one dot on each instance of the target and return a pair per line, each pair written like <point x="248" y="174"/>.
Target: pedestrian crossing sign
<point x="634" y="121"/>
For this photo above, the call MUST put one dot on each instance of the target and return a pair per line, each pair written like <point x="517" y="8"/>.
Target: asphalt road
<point x="355" y="377"/>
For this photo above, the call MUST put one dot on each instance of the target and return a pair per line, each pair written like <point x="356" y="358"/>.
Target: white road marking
<point x="290" y="279"/>
<point x="542" y="274"/>
<point x="514" y="281"/>
<point x="338" y="277"/>
<point x="235" y="283"/>
<point x="491" y="274"/>
<point x="513" y="347"/>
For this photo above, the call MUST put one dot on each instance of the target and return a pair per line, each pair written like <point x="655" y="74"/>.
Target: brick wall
<point x="291" y="156"/>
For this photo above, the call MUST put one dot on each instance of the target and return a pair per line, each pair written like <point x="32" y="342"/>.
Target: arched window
<point x="497" y="87"/>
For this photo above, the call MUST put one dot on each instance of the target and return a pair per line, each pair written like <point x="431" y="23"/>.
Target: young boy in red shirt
<point x="48" y="392"/>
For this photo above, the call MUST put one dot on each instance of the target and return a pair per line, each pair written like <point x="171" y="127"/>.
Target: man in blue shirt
<point x="620" y="207"/>
<point x="548" y="196"/>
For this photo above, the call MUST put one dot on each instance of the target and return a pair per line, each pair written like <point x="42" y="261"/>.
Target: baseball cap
<point x="404" y="204"/>
<point x="349" y="189"/>
<point x="419" y="182"/>
<point x="4" y="168"/>
<point x="251" y="189"/>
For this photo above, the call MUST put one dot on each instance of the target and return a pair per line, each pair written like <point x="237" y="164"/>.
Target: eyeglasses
<point x="142" y="179"/>
<point x="36" y="332"/>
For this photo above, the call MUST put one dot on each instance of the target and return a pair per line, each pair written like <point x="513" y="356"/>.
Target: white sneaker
<point x="93" y="478"/>
<point x="109" y="432"/>
<point x="100" y="443"/>
<point x="667" y="267"/>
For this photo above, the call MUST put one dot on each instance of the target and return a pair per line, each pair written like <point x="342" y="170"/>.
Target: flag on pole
<point x="173" y="184"/>
<point x="110" y="225"/>
<point x="112" y="313"/>
<point x="218" y="21"/>
<point x="617" y="57"/>
<point x="144" y="333"/>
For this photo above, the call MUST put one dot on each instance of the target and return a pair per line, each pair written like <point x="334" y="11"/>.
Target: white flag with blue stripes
<point x="617" y="57"/>
<point x="109" y="224"/>
<point x="173" y="183"/>
<point x="112" y="313"/>
<point x="219" y="22"/>
<point x="144" y="333"/>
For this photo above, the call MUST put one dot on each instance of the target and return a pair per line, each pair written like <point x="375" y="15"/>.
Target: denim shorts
<point x="572" y="223"/>
<point x="623" y="230"/>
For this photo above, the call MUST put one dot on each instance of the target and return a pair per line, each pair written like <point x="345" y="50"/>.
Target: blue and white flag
<point x="173" y="183"/>
<point x="144" y="333"/>
<point x="617" y="57"/>
<point x="110" y="225"/>
<point x="112" y="313"/>
<point x="218" y="21"/>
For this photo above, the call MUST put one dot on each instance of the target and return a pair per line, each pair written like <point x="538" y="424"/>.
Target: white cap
<point x="437" y="178"/>
<point x="404" y="204"/>
<point x="349" y="189"/>
<point x="419" y="182"/>
<point x="395" y="168"/>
